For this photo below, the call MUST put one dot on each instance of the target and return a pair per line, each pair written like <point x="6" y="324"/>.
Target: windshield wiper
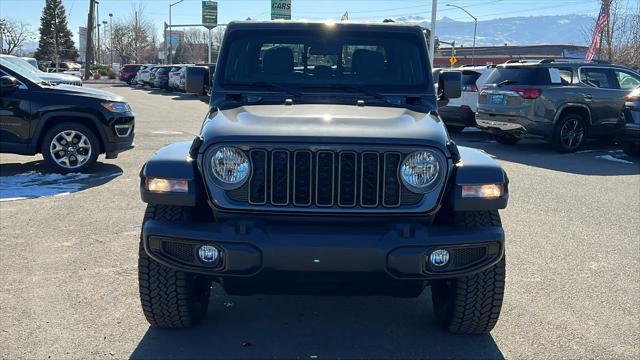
<point x="276" y="86"/>
<point x="359" y="89"/>
<point x="506" y="82"/>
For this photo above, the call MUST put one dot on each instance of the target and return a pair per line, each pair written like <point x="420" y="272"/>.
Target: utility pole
<point x="111" y="37"/>
<point x="432" y="34"/>
<point x="98" y="31"/>
<point x="88" y="56"/>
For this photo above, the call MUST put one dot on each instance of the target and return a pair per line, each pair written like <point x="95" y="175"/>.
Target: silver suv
<point x="562" y="102"/>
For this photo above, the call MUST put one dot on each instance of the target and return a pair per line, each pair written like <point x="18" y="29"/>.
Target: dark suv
<point x="560" y="101"/>
<point x="69" y="125"/>
<point x="322" y="167"/>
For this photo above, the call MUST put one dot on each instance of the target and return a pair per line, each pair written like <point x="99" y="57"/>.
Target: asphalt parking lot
<point x="68" y="287"/>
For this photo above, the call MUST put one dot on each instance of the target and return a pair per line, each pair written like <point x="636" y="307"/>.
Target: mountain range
<point x="531" y="30"/>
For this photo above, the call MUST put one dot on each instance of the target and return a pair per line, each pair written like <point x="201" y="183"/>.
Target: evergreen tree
<point x="55" y="34"/>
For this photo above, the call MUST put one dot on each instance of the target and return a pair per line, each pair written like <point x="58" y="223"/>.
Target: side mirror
<point x="449" y="85"/>
<point x="195" y="78"/>
<point x="8" y="83"/>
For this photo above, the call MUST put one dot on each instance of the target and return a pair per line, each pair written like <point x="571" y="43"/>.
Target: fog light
<point x="439" y="257"/>
<point x="208" y="254"/>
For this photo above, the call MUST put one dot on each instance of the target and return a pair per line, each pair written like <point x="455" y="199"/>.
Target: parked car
<point x="161" y="78"/>
<point x="629" y="135"/>
<point x="460" y="112"/>
<point x="152" y="75"/>
<point x="181" y="80"/>
<point x="69" y="125"/>
<point x="321" y="175"/>
<point x="54" y="78"/>
<point x="143" y="74"/>
<point x="174" y="77"/>
<point x="129" y="72"/>
<point x="563" y="102"/>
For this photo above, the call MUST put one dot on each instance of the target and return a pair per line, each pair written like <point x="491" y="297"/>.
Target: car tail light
<point x="528" y="93"/>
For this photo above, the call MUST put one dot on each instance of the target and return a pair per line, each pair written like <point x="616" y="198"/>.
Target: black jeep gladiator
<point x="323" y="167"/>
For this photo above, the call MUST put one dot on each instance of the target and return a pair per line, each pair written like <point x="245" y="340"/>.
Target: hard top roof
<point x="317" y="25"/>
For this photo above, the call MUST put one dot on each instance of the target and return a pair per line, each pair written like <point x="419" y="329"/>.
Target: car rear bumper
<point x="458" y="116"/>
<point x="513" y="124"/>
<point x="394" y="251"/>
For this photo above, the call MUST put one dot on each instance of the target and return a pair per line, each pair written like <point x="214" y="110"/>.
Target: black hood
<point x="314" y="123"/>
<point x="84" y="91"/>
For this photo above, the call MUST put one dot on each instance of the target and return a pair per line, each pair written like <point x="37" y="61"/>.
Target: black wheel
<point x="471" y="304"/>
<point x="570" y="133"/>
<point x="170" y="298"/>
<point x="506" y="139"/>
<point x="631" y="149"/>
<point x="130" y="81"/>
<point x="69" y="147"/>
<point x="453" y="129"/>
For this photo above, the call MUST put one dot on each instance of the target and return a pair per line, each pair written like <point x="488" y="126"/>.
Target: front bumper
<point x="396" y="251"/>
<point x="629" y="132"/>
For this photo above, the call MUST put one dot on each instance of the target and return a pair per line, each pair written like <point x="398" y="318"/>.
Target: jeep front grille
<point x="324" y="179"/>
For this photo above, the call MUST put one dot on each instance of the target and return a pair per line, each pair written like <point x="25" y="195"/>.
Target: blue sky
<point x="189" y="10"/>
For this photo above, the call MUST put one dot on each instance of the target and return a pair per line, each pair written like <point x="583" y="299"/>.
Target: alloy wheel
<point x="70" y="149"/>
<point x="572" y="133"/>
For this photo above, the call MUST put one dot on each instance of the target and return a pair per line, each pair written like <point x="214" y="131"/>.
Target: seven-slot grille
<point x="324" y="179"/>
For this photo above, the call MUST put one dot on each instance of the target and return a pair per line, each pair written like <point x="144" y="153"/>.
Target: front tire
<point x="69" y="147"/>
<point x="170" y="298"/>
<point x="471" y="304"/>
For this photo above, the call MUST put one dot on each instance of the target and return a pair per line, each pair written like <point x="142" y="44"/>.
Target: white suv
<point x="460" y="113"/>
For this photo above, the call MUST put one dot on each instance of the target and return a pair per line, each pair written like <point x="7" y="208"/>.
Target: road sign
<point x="209" y="14"/>
<point x="281" y="9"/>
<point x="453" y="60"/>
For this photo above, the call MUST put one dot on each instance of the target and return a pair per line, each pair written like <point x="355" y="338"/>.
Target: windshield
<point x="21" y="68"/>
<point x="317" y="59"/>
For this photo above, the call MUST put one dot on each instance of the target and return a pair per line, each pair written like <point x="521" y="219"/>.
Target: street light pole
<point x="475" y="28"/>
<point x="111" y="37"/>
<point x="170" y="29"/>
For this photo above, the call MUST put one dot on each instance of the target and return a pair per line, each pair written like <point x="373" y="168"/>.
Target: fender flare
<point x="172" y="162"/>
<point x="563" y="107"/>
<point x="46" y="119"/>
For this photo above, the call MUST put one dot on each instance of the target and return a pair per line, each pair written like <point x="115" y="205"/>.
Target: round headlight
<point x="230" y="165"/>
<point x="419" y="170"/>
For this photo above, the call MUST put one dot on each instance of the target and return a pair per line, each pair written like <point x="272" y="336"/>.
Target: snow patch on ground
<point x="34" y="184"/>
<point x="614" y="159"/>
<point x="167" y="132"/>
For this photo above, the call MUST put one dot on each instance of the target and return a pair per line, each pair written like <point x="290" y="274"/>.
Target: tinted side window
<point x="566" y="74"/>
<point x="598" y="77"/>
<point x="520" y="76"/>
<point x="627" y="80"/>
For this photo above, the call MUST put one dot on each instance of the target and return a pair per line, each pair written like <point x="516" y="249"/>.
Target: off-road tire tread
<point x="166" y="294"/>
<point x="477" y="299"/>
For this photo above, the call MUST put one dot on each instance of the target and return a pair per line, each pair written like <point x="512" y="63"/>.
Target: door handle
<point x="588" y="97"/>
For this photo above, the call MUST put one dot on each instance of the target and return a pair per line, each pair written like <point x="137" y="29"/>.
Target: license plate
<point x="497" y="99"/>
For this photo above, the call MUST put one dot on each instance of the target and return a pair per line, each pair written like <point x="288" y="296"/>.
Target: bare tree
<point x="620" y="40"/>
<point x="14" y="34"/>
